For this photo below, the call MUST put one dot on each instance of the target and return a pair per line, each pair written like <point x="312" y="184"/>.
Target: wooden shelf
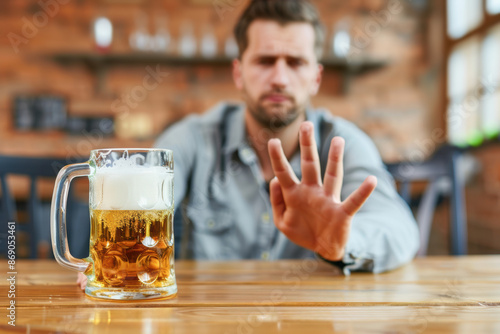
<point x="99" y="63"/>
<point x="96" y="60"/>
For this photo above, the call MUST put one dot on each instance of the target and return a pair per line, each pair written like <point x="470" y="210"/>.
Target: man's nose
<point x="279" y="75"/>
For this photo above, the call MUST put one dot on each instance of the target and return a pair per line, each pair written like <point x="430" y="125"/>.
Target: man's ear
<point x="317" y="80"/>
<point x="237" y="75"/>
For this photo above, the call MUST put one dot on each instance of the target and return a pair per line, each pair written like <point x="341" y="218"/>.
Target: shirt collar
<point x="236" y="132"/>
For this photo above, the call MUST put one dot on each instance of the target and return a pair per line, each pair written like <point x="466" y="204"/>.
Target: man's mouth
<point x="276" y="98"/>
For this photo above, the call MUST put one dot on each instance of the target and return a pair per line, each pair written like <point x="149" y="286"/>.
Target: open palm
<point x="310" y="212"/>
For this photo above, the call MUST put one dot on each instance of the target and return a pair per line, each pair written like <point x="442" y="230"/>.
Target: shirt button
<point x="246" y="153"/>
<point x="210" y="224"/>
<point x="265" y="218"/>
<point x="264" y="255"/>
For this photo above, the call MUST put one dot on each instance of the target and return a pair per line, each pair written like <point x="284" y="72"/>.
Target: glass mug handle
<point x="58" y="226"/>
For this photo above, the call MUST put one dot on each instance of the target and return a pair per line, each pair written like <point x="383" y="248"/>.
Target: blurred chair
<point x="38" y="216"/>
<point x="441" y="173"/>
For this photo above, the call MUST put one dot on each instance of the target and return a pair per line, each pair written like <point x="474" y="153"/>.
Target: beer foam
<point x="130" y="187"/>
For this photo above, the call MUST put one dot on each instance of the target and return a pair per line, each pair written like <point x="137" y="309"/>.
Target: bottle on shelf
<point x="341" y="39"/>
<point x="161" y="39"/>
<point x="139" y="39"/>
<point x="208" y="43"/>
<point x="231" y="47"/>
<point x="103" y="33"/>
<point x="187" y="41"/>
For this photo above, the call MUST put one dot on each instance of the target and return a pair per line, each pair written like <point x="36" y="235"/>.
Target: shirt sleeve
<point x="384" y="234"/>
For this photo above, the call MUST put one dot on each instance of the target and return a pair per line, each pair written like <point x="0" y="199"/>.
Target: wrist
<point x="331" y="255"/>
<point x="338" y="263"/>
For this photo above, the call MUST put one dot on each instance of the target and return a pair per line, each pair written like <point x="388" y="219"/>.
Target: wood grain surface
<point x="429" y="295"/>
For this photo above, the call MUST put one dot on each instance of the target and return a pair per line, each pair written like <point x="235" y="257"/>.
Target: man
<point x="241" y="168"/>
<point x="225" y="158"/>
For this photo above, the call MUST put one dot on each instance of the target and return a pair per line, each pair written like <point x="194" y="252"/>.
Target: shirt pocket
<point x="210" y="220"/>
<point x="212" y="233"/>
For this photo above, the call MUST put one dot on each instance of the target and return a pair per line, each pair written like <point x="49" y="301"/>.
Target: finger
<point x="281" y="167"/>
<point x="354" y="202"/>
<point x="309" y="158"/>
<point x="81" y="280"/>
<point x="334" y="173"/>
<point x="277" y="201"/>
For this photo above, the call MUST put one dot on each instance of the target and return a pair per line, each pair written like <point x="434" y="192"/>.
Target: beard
<point x="274" y="115"/>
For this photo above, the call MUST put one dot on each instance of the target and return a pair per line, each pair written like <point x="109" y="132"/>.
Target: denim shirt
<point x="222" y="206"/>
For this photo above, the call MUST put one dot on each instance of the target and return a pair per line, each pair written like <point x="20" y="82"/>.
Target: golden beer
<point x="131" y="203"/>
<point x="132" y="248"/>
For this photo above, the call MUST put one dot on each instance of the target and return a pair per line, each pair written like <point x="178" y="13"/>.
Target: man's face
<point x="278" y="72"/>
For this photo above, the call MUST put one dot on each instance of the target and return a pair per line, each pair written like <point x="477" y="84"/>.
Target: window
<point x="463" y="91"/>
<point x="493" y="6"/>
<point x="490" y="72"/>
<point x="473" y="71"/>
<point x="463" y="16"/>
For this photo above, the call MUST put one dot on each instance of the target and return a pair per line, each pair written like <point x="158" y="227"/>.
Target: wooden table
<point x="429" y="295"/>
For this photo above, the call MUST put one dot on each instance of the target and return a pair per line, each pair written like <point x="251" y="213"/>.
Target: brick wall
<point x="377" y="101"/>
<point x="483" y="202"/>
<point x="397" y="104"/>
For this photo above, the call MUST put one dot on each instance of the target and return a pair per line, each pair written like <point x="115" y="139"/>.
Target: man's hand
<point x="309" y="213"/>
<point x="81" y="281"/>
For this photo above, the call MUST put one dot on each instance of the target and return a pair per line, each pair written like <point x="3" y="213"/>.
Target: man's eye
<point x="266" y="61"/>
<point x="295" y="62"/>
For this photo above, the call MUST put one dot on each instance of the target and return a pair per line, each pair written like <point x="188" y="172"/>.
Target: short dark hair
<point x="283" y="12"/>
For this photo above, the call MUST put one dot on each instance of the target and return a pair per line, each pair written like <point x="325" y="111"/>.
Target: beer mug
<point x="131" y="223"/>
